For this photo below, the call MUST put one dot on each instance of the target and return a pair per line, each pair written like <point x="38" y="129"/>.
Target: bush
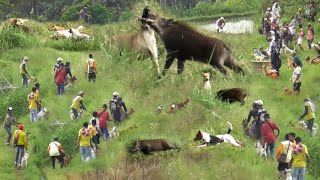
<point x="73" y="45"/>
<point x="13" y="38"/>
<point x="100" y="14"/>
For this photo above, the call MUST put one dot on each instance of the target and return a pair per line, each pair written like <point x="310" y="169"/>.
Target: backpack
<point x="113" y="104"/>
<point x="261" y="113"/>
<point x="15" y="141"/>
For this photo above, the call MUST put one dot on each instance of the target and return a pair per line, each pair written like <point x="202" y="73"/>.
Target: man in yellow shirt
<point x="33" y="104"/>
<point x="85" y="142"/>
<point x="20" y="143"/>
<point x="77" y="104"/>
<point x="309" y="109"/>
<point x="300" y="157"/>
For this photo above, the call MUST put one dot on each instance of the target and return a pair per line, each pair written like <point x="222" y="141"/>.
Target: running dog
<point x="289" y="92"/>
<point x="24" y="160"/>
<point x="67" y="160"/>
<point x="113" y="133"/>
<point x="206" y="82"/>
<point x="261" y="150"/>
<point x="314" y="128"/>
<point x="70" y="82"/>
<point x="175" y="106"/>
<point x="217" y="139"/>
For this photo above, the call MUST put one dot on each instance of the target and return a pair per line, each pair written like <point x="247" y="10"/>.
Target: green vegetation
<point x="138" y="84"/>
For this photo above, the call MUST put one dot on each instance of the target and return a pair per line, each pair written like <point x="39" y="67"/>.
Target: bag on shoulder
<point x="15" y="140"/>
<point x="113" y="105"/>
<point x="283" y="156"/>
<point x="62" y="153"/>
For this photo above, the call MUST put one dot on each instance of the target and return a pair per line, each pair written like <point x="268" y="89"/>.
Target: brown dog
<point x="128" y="114"/>
<point x="56" y="28"/>
<point x="176" y="106"/>
<point x="289" y="92"/>
<point x="67" y="160"/>
<point x="290" y="63"/>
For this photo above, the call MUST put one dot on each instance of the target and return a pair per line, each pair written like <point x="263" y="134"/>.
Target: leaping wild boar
<point x="148" y="146"/>
<point x="184" y="43"/>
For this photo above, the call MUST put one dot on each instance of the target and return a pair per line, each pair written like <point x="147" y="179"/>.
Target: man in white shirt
<point x="296" y="78"/>
<point x="56" y="152"/>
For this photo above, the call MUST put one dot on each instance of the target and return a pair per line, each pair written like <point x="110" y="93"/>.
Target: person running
<point x="268" y="136"/>
<point x="220" y="23"/>
<point x="123" y="108"/>
<point x="285" y="148"/>
<point x="8" y="121"/>
<point x="33" y="104"/>
<point x="114" y="108"/>
<point x="310" y="35"/>
<point x="300" y="38"/>
<point x="309" y="109"/>
<point x="57" y="66"/>
<point x="300" y="157"/>
<point x="95" y="133"/>
<point x="296" y="77"/>
<point x="104" y="117"/>
<point x="56" y="152"/>
<point x="23" y="71"/>
<point x="77" y="105"/>
<point x="20" y="145"/>
<point x="91" y="68"/>
<point x="85" y="143"/>
<point x="59" y="78"/>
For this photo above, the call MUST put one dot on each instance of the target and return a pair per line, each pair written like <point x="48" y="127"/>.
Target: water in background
<point x="242" y="26"/>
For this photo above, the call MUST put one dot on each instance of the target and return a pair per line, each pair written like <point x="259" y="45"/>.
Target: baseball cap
<point x="10" y="109"/>
<point x="25" y="58"/>
<point x="81" y="92"/>
<point x="20" y="126"/>
<point x="59" y="59"/>
<point x="115" y="94"/>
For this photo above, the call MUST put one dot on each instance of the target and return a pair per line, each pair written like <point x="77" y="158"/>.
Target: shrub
<point x="73" y="45"/>
<point x="12" y="38"/>
<point x="100" y="14"/>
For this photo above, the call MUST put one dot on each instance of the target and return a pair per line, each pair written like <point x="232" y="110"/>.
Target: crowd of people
<point x="291" y="152"/>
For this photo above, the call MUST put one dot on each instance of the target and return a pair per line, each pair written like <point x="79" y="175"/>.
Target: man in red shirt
<point x="268" y="135"/>
<point x="59" y="78"/>
<point x="104" y="117"/>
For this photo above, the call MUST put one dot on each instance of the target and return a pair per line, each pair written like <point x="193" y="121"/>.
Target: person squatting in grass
<point x="300" y="157"/>
<point x="85" y="142"/>
<point x="309" y="109"/>
<point x="8" y="121"/>
<point x="104" y="117"/>
<point x="59" y="78"/>
<point x="33" y="104"/>
<point x="95" y="132"/>
<point x="24" y="72"/>
<point x="268" y="135"/>
<point x="56" y="152"/>
<point x="77" y="104"/>
<point x="91" y="69"/>
<point x="20" y="145"/>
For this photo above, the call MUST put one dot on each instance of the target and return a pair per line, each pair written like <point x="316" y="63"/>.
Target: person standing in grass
<point x="309" y="109"/>
<point x="115" y="108"/>
<point x="310" y="35"/>
<point x="57" y="66"/>
<point x="123" y="108"/>
<point x="33" y="104"/>
<point x="95" y="133"/>
<point x="59" y="78"/>
<point x="37" y="85"/>
<point x="77" y="104"/>
<point x="68" y="70"/>
<point x="268" y="135"/>
<point x="259" y="118"/>
<point x="8" y="121"/>
<point x="54" y="149"/>
<point x="23" y="71"/>
<point x="296" y="77"/>
<point x="85" y="142"/>
<point x="91" y="68"/>
<point x="286" y="148"/>
<point x="104" y="117"/>
<point x="300" y="157"/>
<point x="20" y="145"/>
<point x="301" y="35"/>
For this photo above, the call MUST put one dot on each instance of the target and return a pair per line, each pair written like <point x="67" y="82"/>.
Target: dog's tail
<point x="230" y="128"/>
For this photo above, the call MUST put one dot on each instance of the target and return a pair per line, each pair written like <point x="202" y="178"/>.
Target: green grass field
<point x="137" y="83"/>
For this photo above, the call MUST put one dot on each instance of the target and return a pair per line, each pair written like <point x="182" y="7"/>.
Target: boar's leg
<point x="180" y="66"/>
<point x="167" y="65"/>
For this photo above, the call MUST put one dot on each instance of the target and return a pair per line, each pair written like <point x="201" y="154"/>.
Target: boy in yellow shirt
<point x="300" y="157"/>
<point x="33" y="104"/>
<point x="85" y="142"/>
<point x="20" y="143"/>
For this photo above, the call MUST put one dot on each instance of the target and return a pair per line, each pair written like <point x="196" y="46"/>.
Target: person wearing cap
<point x="300" y="38"/>
<point x="298" y="17"/>
<point x="309" y="113"/>
<point x="268" y="136"/>
<point x="104" y="117"/>
<point x="20" y="145"/>
<point x="310" y="35"/>
<point x="56" y="151"/>
<point x="23" y="71"/>
<point x="259" y="118"/>
<point x="60" y="78"/>
<point x="285" y="147"/>
<point x="77" y="104"/>
<point x="37" y="85"/>
<point x="115" y="108"/>
<point x="91" y="68"/>
<point x="57" y="66"/>
<point x="300" y="158"/>
<point x="33" y="104"/>
<point x="220" y="24"/>
<point x="85" y="142"/>
<point x="296" y="76"/>
<point x="8" y="121"/>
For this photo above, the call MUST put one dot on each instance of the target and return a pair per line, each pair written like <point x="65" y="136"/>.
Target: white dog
<point x="24" y="160"/>
<point x="113" y="133"/>
<point x="206" y="82"/>
<point x="42" y="113"/>
<point x="285" y="48"/>
<point x="261" y="151"/>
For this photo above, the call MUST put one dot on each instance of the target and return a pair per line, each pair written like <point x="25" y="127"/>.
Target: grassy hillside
<point x="137" y="83"/>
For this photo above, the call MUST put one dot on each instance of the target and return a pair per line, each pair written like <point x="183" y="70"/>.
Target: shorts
<point x="283" y="166"/>
<point x="296" y="86"/>
<point x="95" y="139"/>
